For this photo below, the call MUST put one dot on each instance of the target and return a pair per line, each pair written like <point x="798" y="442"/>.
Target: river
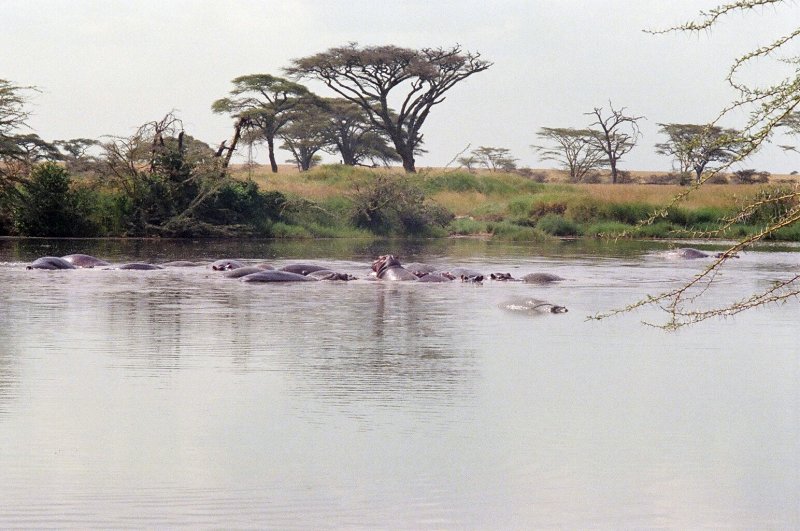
<point x="180" y="398"/>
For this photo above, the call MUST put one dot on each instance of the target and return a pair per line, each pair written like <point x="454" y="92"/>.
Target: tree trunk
<point x="271" y="148"/>
<point x="613" y="164"/>
<point x="408" y="160"/>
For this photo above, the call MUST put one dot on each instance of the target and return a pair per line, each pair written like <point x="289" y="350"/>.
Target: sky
<point x="104" y="67"/>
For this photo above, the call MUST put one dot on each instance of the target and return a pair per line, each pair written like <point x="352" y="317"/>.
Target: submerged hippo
<point x="436" y="277"/>
<point x="327" y="274"/>
<point x="686" y="253"/>
<point x="139" y="266"/>
<point x="277" y="276"/>
<point x="50" y="263"/>
<point x="226" y="265"/>
<point x="183" y="263"/>
<point x="419" y="269"/>
<point x="458" y="272"/>
<point x="533" y="306"/>
<point x="304" y="269"/>
<point x="84" y="260"/>
<point x="387" y="267"/>
<point x="239" y="272"/>
<point x="541" y="278"/>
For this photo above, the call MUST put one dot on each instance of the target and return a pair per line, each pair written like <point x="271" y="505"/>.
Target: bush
<point x="750" y="176"/>
<point x="608" y="228"/>
<point x="557" y="225"/>
<point x="664" y="178"/>
<point x="392" y="205"/>
<point x="47" y="206"/>
<point x="629" y="213"/>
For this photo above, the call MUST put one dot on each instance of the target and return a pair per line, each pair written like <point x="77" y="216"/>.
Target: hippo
<point x="183" y="263"/>
<point x="276" y="276"/>
<point x="84" y="260"/>
<point x="327" y="274"/>
<point x="139" y="266"/>
<point x="226" y="265"/>
<point x="476" y="279"/>
<point x="387" y="267"/>
<point x="541" y="278"/>
<point x="687" y="253"/>
<point x="303" y="269"/>
<point x="50" y="263"/>
<point x="464" y="271"/>
<point x="501" y="276"/>
<point x="435" y="277"/>
<point x="419" y="269"/>
<point x="533" y="306"/>
<point x="239" y="272"/>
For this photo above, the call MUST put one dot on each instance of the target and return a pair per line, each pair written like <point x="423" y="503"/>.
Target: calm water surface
<point x="181" y="398"/>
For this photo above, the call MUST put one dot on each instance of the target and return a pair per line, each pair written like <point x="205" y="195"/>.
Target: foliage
<point x="557" y="225"/>
<point x="491" y="158"/>
<point x="574" y="149"/>
<point x="696" y="148"/>
<point x="47" y="206"/>
<point x="391" y="205"/>
<point x="370" y="76"/>
<point x="262" y="104"/>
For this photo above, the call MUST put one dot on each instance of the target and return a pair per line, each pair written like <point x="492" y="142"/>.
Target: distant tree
<point x="491" y="158"/>
<point x="698" y="148"/>
<point x="369" y="76"/>
<point x="262" y="102"/>
<point x="574" y="149"/>
<point x="19" y="150"/>
<point x="469" y="162"/>
<point x="77" y="155"/>
<point x="352" y="135"/>
<point x="304" y="135"/>
<point x="616" y="134"/>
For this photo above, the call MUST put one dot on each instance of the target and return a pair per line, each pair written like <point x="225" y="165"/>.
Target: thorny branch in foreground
<point x="770" y="107"/>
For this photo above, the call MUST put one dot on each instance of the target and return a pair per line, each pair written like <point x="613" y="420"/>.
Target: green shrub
<point x="467" y="226"/>
<point x="557" y="225"/>
<point x="629" y="213"/>
<point x="609" y="228"/>
<point x="511" y="232"/>
<point x="391" y="204"/>
<point x="47" y="206"/>
<point x="583" y="209"/>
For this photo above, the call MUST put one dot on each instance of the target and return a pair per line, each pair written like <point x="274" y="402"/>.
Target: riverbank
<point x="516" y="207"/>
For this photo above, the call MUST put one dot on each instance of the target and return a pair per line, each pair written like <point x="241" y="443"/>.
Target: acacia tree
<point x="617" y="135"/>
<point x="262" y="103"/>
<point x="371" y="76"/>
<point x="697" y="148"/>
<point x="352" y="135"/>
<point x="491" y="158"/>
<point x="573" y="149"/>
<point x="304" y="135"/>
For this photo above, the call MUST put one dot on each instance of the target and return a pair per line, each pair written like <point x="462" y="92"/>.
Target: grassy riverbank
<point x="326" y="202"/>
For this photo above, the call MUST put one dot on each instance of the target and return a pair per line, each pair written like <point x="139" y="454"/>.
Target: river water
<point x="180" y="398"/>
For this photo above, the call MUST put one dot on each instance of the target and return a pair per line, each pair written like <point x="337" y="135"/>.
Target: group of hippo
<point x="385" y="267"/>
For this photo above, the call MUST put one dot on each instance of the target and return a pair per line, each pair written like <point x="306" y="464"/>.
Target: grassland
<point x="512" y="206"/>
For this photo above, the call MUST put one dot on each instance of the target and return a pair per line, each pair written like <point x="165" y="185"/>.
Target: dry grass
<point x="310" y="186"/>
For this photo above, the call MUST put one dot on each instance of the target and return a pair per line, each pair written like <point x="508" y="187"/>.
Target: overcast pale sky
<point x="106" y="66"/>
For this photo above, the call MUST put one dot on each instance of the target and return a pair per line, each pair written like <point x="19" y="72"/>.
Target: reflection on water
<point x="181" y="398"/>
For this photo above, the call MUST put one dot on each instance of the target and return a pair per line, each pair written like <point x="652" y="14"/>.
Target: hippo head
<point x="384" y="262"/>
